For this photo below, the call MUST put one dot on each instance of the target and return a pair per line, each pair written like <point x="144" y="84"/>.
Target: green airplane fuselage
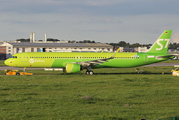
<point x="59" y="60"/>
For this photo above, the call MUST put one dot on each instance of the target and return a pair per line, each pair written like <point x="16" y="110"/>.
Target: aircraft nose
<point x="7" y="62"/>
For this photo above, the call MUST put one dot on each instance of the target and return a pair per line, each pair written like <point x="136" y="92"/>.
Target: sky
<point x="106" y="21"/>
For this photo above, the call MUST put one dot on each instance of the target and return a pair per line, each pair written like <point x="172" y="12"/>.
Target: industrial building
<point x="7" y="49"/>
<point x="127" y="49"/>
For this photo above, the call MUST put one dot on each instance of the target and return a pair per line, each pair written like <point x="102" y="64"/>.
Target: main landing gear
<point x="89" y="71"/>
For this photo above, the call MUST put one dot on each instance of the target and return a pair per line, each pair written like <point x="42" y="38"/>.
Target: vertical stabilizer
<point x="162" y="43"/>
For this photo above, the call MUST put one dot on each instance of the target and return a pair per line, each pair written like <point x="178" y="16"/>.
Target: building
<point x="7" y="49"/>
<point x="2" y="51"/>
<point x="127" y="49"/>
<point x="142" y="49"/>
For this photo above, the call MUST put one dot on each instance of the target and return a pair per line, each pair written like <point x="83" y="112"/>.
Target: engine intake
<point x="73" y="68"/>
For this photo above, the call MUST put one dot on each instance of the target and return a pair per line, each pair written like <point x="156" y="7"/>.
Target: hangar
<point x="7" y="49"/>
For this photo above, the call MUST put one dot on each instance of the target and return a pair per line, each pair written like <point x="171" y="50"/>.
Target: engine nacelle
<point x="73" y="68"/>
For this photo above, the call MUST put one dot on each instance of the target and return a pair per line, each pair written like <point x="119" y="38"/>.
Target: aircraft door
<point x="24" y="57"/>
<point x="145" y="58"/>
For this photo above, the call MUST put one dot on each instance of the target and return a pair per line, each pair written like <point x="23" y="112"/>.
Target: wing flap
<point x="93" y="62"/>
<point x="98" y="61"/>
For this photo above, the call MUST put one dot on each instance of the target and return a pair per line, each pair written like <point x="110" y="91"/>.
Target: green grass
<point x="2" y="63"/>
<point x="110" y="94"/>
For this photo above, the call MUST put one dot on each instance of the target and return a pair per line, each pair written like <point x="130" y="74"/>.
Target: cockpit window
<point x="14" y="56"/>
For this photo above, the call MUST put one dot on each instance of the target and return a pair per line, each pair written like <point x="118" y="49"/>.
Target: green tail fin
<point x="162" y="43"/>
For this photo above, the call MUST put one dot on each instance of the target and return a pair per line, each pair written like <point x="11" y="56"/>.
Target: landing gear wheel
<point x="91" y="72"/>
<point x="87" y="72"/>
<point x="17" y="73"/>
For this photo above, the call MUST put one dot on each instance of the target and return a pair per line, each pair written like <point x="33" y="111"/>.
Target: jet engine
<point x="73" y="68"/>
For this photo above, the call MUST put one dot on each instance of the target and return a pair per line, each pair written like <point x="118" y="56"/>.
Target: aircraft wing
<point x="98" y="61"/>
<point x="93" y="62"/>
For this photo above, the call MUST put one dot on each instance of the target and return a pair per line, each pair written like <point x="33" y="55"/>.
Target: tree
<point x="51" y="39"/>
<point x="122" y="43"/>
<point x="23" y="40"/>
<point x="136" y="45"/>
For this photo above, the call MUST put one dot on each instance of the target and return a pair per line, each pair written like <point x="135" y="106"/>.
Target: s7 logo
<point x="161" y="45"/>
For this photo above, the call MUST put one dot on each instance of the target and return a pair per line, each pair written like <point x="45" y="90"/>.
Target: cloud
<point x="176" y="38"/>
<point x="102" y="2"/>
<point x="91" y="7"/>
<point x="21" y="21"/>
<point x="101" y="30"/>
<point x="100" y="20"/>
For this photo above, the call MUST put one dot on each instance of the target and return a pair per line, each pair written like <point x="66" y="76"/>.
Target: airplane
<point x="73" y="62"/>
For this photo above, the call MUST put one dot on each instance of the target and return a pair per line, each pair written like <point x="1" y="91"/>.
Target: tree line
<point x="124" y="44"/>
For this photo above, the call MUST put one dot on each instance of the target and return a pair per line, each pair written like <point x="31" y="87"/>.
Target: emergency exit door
<point x="145" y="58"/>
<point x="24" y="57"/>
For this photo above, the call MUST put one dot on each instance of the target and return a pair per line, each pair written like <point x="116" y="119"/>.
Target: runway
<point x="155" y="64"/>
<point x="16" y="68"/>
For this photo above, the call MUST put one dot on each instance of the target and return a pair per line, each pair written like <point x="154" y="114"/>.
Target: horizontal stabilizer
<point x="167" y="56"/>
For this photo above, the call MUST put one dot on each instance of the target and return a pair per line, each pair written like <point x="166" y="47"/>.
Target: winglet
<point x="115" y="53"/>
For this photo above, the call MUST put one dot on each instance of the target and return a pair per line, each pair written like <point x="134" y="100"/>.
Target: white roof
<point x="60" y="44"/>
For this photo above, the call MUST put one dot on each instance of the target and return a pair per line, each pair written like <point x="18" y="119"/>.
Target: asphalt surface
<point x="155" y="64"/>
<point x="16" y="68"/>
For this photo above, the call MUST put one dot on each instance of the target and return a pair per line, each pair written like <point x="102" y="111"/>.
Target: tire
<point x="91" y="72"/>
<point x="17" y="73"/>
<point x="87" y="72"/>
